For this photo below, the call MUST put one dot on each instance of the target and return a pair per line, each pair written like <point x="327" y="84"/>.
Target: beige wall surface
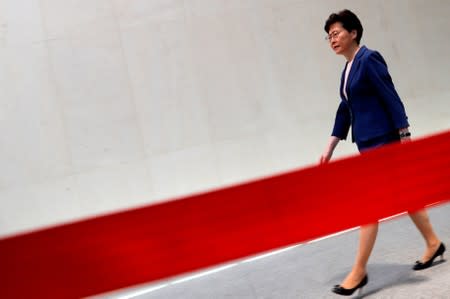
<point x="112" y="104"/>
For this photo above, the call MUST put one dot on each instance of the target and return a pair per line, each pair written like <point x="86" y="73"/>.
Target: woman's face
<point x="340" y="39"/>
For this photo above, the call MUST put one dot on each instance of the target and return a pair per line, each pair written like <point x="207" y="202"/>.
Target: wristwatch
<point x="405" y="134"/>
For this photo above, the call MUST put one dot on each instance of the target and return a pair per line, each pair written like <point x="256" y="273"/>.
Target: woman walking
<point x="372" y="108"/>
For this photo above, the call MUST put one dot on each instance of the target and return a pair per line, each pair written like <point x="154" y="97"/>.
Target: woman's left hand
<point x="405" y="139"/>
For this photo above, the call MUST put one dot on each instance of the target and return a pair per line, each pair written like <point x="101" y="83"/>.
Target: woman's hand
<point x="405" y="139"/>
<point x="405" y="136"/>
<point x="326" y="156"/>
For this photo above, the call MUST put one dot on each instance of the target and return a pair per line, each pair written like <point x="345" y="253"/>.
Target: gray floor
<point x="310" y="270"/>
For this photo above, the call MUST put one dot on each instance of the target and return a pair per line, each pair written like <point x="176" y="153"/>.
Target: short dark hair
<point x="348" y="20"/>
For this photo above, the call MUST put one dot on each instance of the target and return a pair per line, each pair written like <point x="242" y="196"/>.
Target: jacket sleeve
<point x="381" y="79"/>
<point x="342" y="121"/>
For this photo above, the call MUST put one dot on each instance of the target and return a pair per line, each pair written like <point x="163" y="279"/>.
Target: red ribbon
<point x="141" y="245"/>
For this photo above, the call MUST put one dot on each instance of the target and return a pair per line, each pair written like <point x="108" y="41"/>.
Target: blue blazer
<point x="373" y="107"/>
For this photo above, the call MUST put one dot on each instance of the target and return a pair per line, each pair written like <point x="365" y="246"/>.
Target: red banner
<point x="141" y="245"/>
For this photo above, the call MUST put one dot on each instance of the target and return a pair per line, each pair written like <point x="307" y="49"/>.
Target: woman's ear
<point x="354" y="34"/>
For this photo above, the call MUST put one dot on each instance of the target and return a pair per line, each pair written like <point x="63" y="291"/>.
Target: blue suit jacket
<point x="373" y="107"/>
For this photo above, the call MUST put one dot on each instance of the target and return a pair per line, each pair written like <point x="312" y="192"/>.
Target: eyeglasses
<point x="332" y="35"/>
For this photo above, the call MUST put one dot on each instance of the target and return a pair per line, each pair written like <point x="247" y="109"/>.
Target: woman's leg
<point x="367" y="237"/>
<point x="423" y="224"/>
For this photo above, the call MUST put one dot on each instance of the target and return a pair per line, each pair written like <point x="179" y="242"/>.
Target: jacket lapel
<point x="341" y="90"/>
<point x="355" y="66"/>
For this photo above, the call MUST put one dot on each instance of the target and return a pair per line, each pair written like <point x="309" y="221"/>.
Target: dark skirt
<point x="378" y="141"/>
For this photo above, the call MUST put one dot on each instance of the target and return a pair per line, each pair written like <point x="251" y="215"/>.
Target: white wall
<point x="111" y="104"/>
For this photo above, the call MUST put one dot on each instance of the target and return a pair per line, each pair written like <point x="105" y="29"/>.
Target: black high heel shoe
<point x="440" y="252"/>
<point x="348" y="292"/>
